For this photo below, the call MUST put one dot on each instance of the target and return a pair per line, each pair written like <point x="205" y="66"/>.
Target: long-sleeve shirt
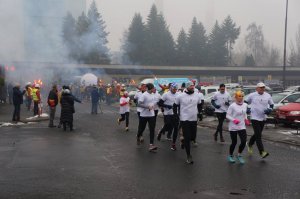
<point x="238" y="112"/>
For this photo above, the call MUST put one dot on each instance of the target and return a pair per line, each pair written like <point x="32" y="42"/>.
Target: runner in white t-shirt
<point x="147" y="101"/>
<point x="188" y="102"/>
<point x="124" y="109"/>
<point x="261" y="105"/>
<point x="221" y="101"/>
<point x="237" y="116"/>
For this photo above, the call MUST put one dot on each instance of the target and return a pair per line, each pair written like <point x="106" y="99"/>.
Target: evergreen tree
<point x="134" y="48"/>
<point x="182" y="49"/>
<point x="159" y="42"/>
<point x="217" y="53"/>
<point x="82" y="27"/>
<point x="96" y="38"/>
<point x="231" y="33"/>
<point x="69" y="36"/>
<point x="197" y="42"/>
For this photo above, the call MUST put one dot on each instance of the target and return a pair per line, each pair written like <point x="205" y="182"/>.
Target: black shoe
<point x="222" y="139"/>
<point x="189" y="160"/>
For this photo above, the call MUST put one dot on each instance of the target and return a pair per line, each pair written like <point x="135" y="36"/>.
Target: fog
<point x="179" y="13"/>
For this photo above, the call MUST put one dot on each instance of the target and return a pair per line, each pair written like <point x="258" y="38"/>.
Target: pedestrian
<point x="146" y="101"/>
<point x="189" y="102"/>
<point x="171" y="121"/>
<point x="237" y="116"/>
<point x="52" y="103"/>
<point x="221" y="101"/>
<point x="124" y="110"/>
<point x="109" y="93"/>
<point x="17" y="99"/>
<point x="95" y="100"/>
<point x="36" y="97"/>
<point x="28" y="95"/>
<point x="136" y="97"/>
<point x="67" y="109"/>
<point x="261" y="105"/>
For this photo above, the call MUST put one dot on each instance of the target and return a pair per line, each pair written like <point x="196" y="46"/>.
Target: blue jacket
<point x="95" y="95"/>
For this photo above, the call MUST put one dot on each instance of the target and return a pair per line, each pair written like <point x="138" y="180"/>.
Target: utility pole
<point x="284" y="51"/>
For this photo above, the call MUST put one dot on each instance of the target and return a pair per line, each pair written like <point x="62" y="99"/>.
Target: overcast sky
<point x="179" y="13"/>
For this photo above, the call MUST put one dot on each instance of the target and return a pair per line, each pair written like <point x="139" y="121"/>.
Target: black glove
<point x="248" y="110"/>
<point x="200" y="116"/>
<point x="227" y="103"/>
<point x="268" y="111"/>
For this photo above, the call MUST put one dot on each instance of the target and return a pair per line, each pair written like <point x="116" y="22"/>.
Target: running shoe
<point x="222" y="139"/>
<point x="189" y="160"/>
<point x="141" y="139"/>
<point x="194" y="144"/>
<point x="231" y="159"/>
<point x="152" y="147"/>
<point x="250" y="149"/>
<point x="126" y="129"/>
<point x="168" y="139"/>
<point x="118" y="121"/>
<point x="216" y="137"/>
<point x="264" y="154"/>
<point x="158" y="136"/>
<point x="138" y="141"/>
<point x="240" y="159"/>
<point x="173" y="147"/>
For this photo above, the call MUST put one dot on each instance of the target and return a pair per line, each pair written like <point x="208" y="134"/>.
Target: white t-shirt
<point x="221" y="99"/>
<point x="147" y="99"/>
<point x="259" y="103"/>
<point x="169" y="99"/>
<point x="125" y="108"/>
<point x="136" y="97"/>
<point x="236" y="111"/>
<point x="157" y="98"/>
<point x="188" y="106"/>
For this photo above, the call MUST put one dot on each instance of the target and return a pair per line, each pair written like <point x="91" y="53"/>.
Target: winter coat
<point x="67" y="107"/>
<point x="95" y="95"/>
<point x="17" y="96"/>
<point x="52" y="98"/>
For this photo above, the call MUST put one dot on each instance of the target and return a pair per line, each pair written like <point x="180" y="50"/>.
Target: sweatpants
<point x="189" y="130"/>
<point x="125" y="116"/>
<point x="142" y="125"/>
<point x="243" y="137"/>
<point x="221" y="117"/>
<point x="258" y="127"/>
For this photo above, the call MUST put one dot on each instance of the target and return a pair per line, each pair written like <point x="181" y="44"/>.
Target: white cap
<point x="37" y="86"/>
<point x="123" y="85"/>
<point x="108" y="84"/>
<point x="28" y="83"/>
<point x="260" y="84"/>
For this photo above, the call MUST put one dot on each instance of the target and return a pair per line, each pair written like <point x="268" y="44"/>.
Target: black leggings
<point x="123" y="117"/>
<point x="243" y="137"/>
<point x="258" y="127"/>
<point x="221" y="117"/>
<point x="142" y="125"/>
<point x="189" y="130"/>
<point x="171" y="123"/>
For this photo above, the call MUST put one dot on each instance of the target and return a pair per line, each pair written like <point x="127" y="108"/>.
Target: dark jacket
<point x="17" y="96"/>
<point x="67" y="107"/>
<point x="52" y="98"/>
<point x="95" y="95"/>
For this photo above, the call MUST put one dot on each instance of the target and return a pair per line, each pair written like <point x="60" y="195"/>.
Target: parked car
<point x="205" y="90"/>
<point x="292" y="89"/>
<point x="289" y="113"/>
<point x="285" y="98"/>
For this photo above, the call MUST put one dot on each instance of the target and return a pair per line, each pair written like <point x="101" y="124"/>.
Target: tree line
<point x="151" y="43"/>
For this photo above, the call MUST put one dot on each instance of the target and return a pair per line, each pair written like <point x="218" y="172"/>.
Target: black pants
<point x="189" y="130"/>
<point x="258" y="127"/>
<point x="221" y="117"/>
<point x="35" y="108"/>
<point x="243" y="137"/>
<point x="17" y="112"/>
<point x="94" y="107"/>
<point x="65" y="125"/>
<point x="142" y="125"/>
<point x="171" y="124"/>
<point x="125" y="116"/>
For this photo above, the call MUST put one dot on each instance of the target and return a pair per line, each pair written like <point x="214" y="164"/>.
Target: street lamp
<point x="284" y="51"/>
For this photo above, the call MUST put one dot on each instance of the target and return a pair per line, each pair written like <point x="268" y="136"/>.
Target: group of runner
<point x="182" y="107"/>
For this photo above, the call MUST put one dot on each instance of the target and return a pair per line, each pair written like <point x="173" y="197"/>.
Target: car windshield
<point x="278" y="97"/>
<point x="297" y="101"/>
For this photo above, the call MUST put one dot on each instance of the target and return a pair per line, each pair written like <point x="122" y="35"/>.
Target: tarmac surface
<point x="100" y="160"/>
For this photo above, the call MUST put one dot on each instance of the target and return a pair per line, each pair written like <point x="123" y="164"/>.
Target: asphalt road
<point x="100" y="160"/>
